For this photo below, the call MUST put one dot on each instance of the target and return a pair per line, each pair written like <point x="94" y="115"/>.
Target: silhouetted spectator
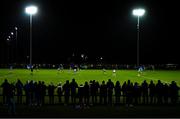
<point x="152" y="89"/>
<point x="80" y="94"/>
<point x="144" y="87"/>
<point x="103" y="93"/>
<point x="159" y="92"/>
<point x="165" y="93"/>
<point x="5" y="85"/>
<point x="19" y="87"/>
<point x="39" y="92"/>
<point x="117" y="90"/>
<point x="174" y="92"/>
<point x="129" y="93"/>
<point x="59" y="92"/>
<point x="136" y="90"/>
<point x="73" y="86"/>
<point x="43" y="92"/>
<point x="35" y="93"/>
<point x="86" y="93"/>
<point x="27" y="92"/>
<point x="139" y="94"/>
<point x="66" y="89"/>
<point x="31" y="93"/>
<point x="96" y="91"/>
<point x="51" y="88"/>
<point x="124" y="91"/>
<point x="11" y="100"/>
<point x="110" y="86"/>
<point x="92" y="90"/>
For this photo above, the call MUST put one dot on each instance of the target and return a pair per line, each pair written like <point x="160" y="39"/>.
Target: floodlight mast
<point x="138" y="41"/>
<point x="31" y="40"/>
<point x="16" y="45"/>
<point x="31" y="10"/>
<point x="138" y="12"/>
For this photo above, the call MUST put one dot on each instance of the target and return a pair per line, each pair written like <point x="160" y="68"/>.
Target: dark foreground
<point x="93" y="111"/>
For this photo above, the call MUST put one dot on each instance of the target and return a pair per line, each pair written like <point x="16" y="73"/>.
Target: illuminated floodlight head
<point x="16" y="28"/>
<point x="7" y="39"/>
<point x="138" y="12"/>
<point x="12" y="33"/>
<point x="9" y="36"/>
<point x="31" y="10"/>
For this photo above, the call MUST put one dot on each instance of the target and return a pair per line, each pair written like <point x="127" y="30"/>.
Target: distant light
<point x="101" y="58"/>
<point x="31" y="10"/>
<point x="16" y="28"/>
<point x="12" y="33"/>
<point x="7" y="39"/>
<point x="82" y="55"/>
<point x="9" y="36"/>
<point x="138" y="12"/>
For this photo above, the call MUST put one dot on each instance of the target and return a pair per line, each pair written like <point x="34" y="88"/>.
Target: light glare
<point x="31" y="10"/>
<point x="138" y="12"/>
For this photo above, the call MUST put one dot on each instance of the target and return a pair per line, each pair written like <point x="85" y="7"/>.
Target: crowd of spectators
<point x="91" y="93"/>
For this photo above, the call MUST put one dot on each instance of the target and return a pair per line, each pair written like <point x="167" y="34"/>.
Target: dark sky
<point x="92" y="27"/>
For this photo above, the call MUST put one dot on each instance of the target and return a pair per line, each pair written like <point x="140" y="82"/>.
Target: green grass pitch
<point x="52" y="75"/>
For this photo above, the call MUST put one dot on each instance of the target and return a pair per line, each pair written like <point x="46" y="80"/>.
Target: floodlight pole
<point x="8" y="52"/>
<point x="16" y="45"/>
<point x="30" y="39"/>
<point x="31" y="10"/>
<point x="137" y="41"/>
<point x="138" y="12"/>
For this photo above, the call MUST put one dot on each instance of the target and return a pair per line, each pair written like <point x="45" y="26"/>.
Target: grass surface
<point x="52" y="75"/>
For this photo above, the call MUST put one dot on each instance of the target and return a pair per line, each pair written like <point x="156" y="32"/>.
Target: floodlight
<point x="138" y="12"/>
<point x="31" y="10"/>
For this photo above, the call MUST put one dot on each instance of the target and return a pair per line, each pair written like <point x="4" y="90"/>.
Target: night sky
<point x="96" y="28"/>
